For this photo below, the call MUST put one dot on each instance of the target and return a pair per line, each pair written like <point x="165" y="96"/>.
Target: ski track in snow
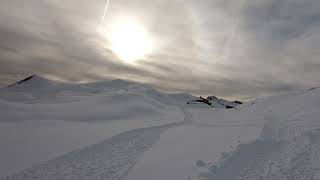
<point x="292" y="159"/>
<point x="275" y="157"/>
<point x="180" y="148"/>
<point x="288" y="148"/>
<point x="110" y="159"/>
<point x="264" y="160"/>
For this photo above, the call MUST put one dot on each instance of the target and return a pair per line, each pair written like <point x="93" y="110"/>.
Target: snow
<point x="27" y="143"/>
<point x="123" y="130"/>
<point x="202" y="137"/>
<point x="176" y="153"/>
<point x="110" y="159"/>
<point x="41" y="119"/>
<point x="287" y="147"/>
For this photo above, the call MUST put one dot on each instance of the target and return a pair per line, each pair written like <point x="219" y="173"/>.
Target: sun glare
<point x="129" y="40"/>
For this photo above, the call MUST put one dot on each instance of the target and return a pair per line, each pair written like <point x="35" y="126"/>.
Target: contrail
<point x="105" y="12"/>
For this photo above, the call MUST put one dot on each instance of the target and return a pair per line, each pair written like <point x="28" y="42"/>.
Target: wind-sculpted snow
<point x="110" y="159"/>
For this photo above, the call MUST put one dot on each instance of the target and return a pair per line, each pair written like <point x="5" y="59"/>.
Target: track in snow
<point x="110" y="159"/>
<point x="295" y="159"/>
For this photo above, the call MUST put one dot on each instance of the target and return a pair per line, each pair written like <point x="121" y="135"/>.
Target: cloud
<point x="228" y="48"/>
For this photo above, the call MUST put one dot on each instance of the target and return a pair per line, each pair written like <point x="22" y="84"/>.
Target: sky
<point x="228" y="48"/>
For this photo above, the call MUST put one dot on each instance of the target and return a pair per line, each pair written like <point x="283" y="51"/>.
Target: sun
<point x="129" y="40"/>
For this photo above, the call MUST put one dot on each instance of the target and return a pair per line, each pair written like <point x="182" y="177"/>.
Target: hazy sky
<point x="230" y="48"/>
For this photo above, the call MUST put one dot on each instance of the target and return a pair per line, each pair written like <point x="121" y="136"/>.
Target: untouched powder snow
<point x="119" y="130"/>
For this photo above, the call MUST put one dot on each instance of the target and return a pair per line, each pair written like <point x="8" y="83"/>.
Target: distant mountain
<point x="105" y="100"/>
<point x="37" y="87"/>
<point x="22" y="81"/>
<point x="214" y="102"/>
<point x="39" y="84"/>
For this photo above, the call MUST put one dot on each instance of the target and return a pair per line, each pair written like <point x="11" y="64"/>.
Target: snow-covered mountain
<point x="37" y="86"/>
<point x="123" y="130"/>
<point x="114" y="99"/>
<point x="61" y="117"/>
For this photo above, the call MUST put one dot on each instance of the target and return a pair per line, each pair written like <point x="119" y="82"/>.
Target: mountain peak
<point x="34" y="79"/>
<point x="22" y="81"/>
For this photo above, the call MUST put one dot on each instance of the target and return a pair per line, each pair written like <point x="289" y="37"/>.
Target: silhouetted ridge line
<point x="23" y="80"/>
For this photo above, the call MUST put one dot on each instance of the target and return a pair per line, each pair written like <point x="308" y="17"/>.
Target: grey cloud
<point x="228" y="48"/>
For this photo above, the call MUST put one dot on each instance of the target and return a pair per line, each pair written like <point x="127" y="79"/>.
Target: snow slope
<point x="287" y="147"/>
<point x="120" y="130"/>
<point x="42" y="119"/>
<point x="110" y="159"/>
<point x="273" y="138"/>
<point x="205" y="136"/>
<point x="45" y="99"/>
